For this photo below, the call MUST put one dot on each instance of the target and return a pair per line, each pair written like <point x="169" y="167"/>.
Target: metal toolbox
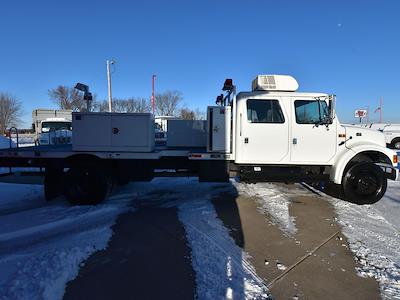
<point x="219" y="129"/>
<point x="133" y="132"/>
<point x="187" y="133"/>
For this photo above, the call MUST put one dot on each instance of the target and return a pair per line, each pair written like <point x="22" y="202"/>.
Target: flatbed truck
<point x="271" y="133"/>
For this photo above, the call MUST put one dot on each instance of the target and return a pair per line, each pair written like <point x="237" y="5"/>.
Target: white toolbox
<point x="132" y="132"/>
<point x="187" y="133"/>
<point x="219" y="129"/>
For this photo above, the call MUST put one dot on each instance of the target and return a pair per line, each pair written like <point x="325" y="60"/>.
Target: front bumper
<point x="391" y="172"/>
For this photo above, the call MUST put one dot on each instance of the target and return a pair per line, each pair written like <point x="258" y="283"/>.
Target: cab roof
<point x="260" y="94"/>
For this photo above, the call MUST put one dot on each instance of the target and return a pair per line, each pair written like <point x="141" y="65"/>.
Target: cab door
<point x="263" y="131"/>
<point x="312" y="142"/>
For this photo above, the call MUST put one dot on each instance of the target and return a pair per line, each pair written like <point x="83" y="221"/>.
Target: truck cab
<point x="279" y="133"/>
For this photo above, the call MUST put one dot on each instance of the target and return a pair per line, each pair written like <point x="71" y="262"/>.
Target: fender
<point x="347" y="154"/>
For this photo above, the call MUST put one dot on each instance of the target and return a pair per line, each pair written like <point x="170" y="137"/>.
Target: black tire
<point x="395" y="144"/>
<point x="53" y="183"/>
<point x="86" y="185"/>
<point x="364" y="183"/>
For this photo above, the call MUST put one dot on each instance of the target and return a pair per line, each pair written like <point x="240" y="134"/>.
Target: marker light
<point x="228" y="84"/>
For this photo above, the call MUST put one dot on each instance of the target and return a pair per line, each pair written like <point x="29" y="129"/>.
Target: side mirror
<point x="332" y="107"/>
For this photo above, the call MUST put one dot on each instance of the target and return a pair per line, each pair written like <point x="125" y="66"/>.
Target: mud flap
<point x="214" y="171"/>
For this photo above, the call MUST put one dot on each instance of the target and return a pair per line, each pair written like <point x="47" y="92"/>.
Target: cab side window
<point x="264" y="111"/>
<point x="310" y="112"/>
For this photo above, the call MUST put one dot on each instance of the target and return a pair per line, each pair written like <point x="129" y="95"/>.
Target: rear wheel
<point x="364" y="183"/>
<point x="395" y="144"/>
<point x="86" y="185"/>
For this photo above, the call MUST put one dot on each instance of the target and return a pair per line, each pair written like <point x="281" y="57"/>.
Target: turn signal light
<point x="395" y="159"/>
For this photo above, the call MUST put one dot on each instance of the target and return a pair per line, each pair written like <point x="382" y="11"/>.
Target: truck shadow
<point x="173" y="246"/>
<point x="327" y="188"/>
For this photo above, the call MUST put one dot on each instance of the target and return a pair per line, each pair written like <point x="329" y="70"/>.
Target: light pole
<point x="109" y="62"/>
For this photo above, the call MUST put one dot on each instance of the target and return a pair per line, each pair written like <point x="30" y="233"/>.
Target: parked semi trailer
<point x="271" y="133"/>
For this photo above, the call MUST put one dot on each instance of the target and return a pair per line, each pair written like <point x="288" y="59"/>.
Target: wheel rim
<point x="87" y="187"/>
<point x="365" y="184"/>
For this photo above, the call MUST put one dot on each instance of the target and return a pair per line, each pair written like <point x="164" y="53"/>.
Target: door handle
<point x="294" y="141"/>
<point x="115" y="130"/>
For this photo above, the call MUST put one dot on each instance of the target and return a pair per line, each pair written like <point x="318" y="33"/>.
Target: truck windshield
<point x="51" y="126"/>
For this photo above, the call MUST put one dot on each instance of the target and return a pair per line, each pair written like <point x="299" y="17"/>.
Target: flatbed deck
<point x="37" y="155"/>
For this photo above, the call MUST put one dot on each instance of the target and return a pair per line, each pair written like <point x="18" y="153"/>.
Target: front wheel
<point x="364" y="183"/>
<point x="395" y="144"/>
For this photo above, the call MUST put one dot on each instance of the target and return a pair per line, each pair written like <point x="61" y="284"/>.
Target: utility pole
<point x="109" y="62"/>
<point x="152" y="93"/>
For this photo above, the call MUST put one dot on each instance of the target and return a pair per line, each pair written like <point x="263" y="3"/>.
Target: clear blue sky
<point x="350" y="48"/>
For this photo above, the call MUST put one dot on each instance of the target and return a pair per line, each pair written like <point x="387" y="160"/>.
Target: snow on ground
<point x="274" y="200"/>
<point x="22" y="142"/>
<point x="373" y="232"/>
<point x="42" y="244"/>
<point x="223" y="270"/>
<point x="5" y="142"/>
<point x="19" y="170"/>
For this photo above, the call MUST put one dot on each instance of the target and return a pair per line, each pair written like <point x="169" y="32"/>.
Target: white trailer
<point x="272" y="133"/>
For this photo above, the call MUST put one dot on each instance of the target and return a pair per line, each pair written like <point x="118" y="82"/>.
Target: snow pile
<point x="23" y="141"/>
<point x="19" y="197"/>
<point x="42" y="272"/>
<point x="227" y="273"/>
<point x="42" y="244"/>
<point x="5" y="143"/>
<point x="373" y="232"/>
<point x="274" y="200"/>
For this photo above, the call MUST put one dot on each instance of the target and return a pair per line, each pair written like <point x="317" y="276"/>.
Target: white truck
<point x="391" y="132"/>
<point x="272" y="133"/>
<point x="52" y="126"/>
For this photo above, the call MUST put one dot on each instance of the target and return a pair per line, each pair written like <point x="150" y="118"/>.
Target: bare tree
<point x="10" y="111"/>
<point x="139" y="105"/>
<point x="167" y="103"/>
<point x="67" y="98"/>
<point x="200" y="114"/>
<point x="101" y="106"/>
<point x="130" y="105"/>
<point x="187" y="114"/>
